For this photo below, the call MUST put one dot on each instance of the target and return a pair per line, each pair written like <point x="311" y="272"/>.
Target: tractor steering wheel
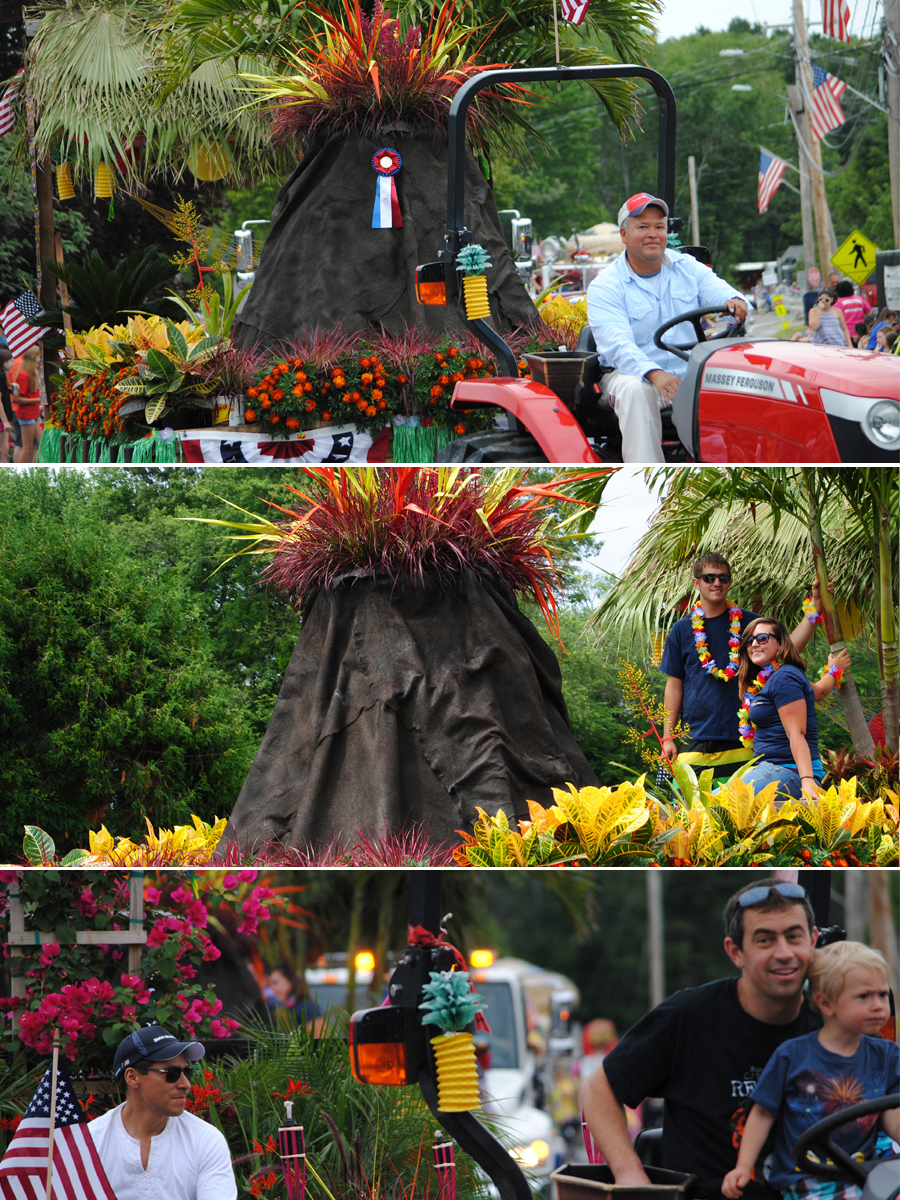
<point x="736" y="330"/>
<point x="816" y="1138"/>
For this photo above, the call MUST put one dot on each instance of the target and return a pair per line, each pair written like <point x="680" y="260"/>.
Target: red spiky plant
<point x="362" y="73"/>
<point x="406" y="523"/>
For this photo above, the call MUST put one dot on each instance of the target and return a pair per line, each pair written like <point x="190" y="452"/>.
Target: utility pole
<point x="695" y="211"/>
<point x="824" y="228"/>
<point x="655" y="938"/>
<point x="891" y="58"/>
<point x="795" y="99"/>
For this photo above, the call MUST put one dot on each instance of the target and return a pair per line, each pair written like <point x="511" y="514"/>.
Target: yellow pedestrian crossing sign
<point x="856" y="258"/>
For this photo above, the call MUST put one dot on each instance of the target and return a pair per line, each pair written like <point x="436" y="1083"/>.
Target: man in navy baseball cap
<point x="646" y="286"/>
<point x="152" y="1145"/>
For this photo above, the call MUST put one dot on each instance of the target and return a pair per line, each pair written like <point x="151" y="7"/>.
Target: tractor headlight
<point x="535" y="1154"/>
<point x="881" y="424"/>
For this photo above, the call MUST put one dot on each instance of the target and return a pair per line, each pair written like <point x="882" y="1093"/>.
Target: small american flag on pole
<point x="574" y="11"/>
<point x="14" y="319"/>
<point x="7" y="119"/>
<point x="771" y="170"/>
<point x="77" y="1173"/>
<point x="827" y="113"/>
<point x="836" y="19"/>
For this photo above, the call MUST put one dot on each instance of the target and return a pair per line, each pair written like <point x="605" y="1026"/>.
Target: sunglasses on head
<point x="173" y="1074"/>
<point x="762" y="638"/>
<point x="711" y="577"/>
<point x="791" y="891"/>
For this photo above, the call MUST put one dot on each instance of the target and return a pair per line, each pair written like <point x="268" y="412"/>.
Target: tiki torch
<point x="292" y="1151"/>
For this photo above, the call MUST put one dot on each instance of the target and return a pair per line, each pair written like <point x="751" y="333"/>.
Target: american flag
<point x="827" y="113"/>
<point x="574" y="11"/>
<point x="771" y="170"/>
<point x="836" y="19"/>
<point x="77" y="1171"/>
<point x="7" y="120"/>
<point x="14" y="319"/>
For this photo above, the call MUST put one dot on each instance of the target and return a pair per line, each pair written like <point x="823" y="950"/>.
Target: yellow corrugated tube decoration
<point x="473" y="262"/>
<point x="64" y="181"/>
<point x="103" y="182"/>
<point x="457" y="1072"/>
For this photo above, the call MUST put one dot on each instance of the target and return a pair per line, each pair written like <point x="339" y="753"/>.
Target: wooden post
<point x="54" y="1076"/>
<point x="136" y="920"/>
<point x="60" y="283"/>
<point x="556" y="39"/>
<point x="795" y="99"/>
<point x="655" y="938"/>
<point x="695" y="211"/>
<point x="824" y="227"/>
<point x="891" y="58"/>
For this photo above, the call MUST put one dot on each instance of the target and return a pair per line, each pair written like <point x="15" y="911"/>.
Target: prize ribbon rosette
<point x="386" y="215"/>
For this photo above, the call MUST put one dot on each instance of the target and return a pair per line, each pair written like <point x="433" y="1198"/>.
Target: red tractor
<point x="742" y="400"/>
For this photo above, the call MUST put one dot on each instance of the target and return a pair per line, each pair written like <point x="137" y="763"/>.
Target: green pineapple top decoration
<point x="473" y="260"/>
<point x="450" y="1003"/>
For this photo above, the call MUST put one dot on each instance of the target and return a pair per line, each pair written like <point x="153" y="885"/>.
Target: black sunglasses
<point x="173" y="1074"/>
<point x="762" y="638"/>
<point x="791" y="891"/>
<point x="711" y="578"/>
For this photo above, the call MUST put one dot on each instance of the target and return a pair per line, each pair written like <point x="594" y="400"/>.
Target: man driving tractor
<point x="704" y="1048"/>
<point x="647" y="286"/>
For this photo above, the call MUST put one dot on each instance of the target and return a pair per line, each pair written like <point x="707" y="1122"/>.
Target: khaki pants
<point x="637" y="405"/>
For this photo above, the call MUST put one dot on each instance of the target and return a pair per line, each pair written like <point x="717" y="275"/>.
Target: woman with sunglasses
<point x="779" y="714"/>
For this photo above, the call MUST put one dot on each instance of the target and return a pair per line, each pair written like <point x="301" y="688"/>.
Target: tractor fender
<point x="540" y="411"/>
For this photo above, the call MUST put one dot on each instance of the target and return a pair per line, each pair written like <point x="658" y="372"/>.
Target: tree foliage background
<point x="136" y="681"/>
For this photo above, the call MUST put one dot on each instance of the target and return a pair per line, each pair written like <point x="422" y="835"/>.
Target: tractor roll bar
<point x="456" y="133"/>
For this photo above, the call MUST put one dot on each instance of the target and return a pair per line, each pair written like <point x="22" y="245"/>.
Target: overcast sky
<point x="622" y="519"/>
<point x="680" y="17"/>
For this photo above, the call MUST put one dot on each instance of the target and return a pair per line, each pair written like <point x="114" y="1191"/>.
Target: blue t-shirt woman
<point x="780" y="710"/>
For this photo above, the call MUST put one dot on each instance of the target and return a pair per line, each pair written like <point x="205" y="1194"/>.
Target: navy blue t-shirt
<point x="710" y="705"/>
<point x="803" y="1082"/>
<point x="770" y="740"/>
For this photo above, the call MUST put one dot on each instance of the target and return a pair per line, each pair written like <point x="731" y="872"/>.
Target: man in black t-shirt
<point x="704" y="1048"/>
<point x="707" y="703"/>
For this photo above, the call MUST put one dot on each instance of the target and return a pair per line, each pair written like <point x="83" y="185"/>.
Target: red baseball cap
<point x="635" y="205"/>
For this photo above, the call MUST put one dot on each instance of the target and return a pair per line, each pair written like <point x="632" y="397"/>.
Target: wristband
<point x="812" y="613"/>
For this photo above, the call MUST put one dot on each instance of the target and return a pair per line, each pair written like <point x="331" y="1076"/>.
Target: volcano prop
<point x="406" y="704"/>
<point x="323" y="263"/>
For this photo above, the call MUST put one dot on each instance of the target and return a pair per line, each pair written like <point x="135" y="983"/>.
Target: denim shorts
<point x="36" y="421"/>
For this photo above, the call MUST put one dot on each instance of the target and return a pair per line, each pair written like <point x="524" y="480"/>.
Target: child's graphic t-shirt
<point x="803" y="1083"/>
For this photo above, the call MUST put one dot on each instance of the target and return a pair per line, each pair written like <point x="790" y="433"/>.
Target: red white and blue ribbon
<point x="386" y="214"/>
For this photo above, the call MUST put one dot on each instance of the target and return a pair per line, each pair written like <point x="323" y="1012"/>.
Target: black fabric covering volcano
<point x="322" y="262"/>
<point x="404" y="705"/>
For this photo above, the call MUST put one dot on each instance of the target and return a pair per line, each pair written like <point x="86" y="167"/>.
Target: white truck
<point x="531" y="1015"/>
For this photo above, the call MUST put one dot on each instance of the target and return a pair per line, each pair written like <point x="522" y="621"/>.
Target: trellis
<point x="20" y="939"/>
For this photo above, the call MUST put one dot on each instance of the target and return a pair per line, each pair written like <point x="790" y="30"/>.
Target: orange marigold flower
<point x="459" y="428"/>
<point x="371" y="410"/>
<point x="362" y="405"/>
<point x="380" y="381"/>
<point x="307" y="387"/>
<point x="278" y="394"/>
<point x="439" y="358"/>
<point x="436" y="391"/>
<point x="443" y="380"/>
<point x="382" y="403"/>
<point x="364" y="362"/>
<point x="250" y="415"/>
<point x="297" y="391"/>
<point x="301" y="377"/>
<point x="377" y="393"/>
<point x="453" y="352"/>
<point x="326" y="386"/>
<point x="251" y="392"/>
<point x="274" y="418"/>
<point x="292" y="423"/>
<point x="457" y="376"/>
<point x="340" y="381"/>
<point x="310" y="406"/>
<point x="267" y="403"/>
<point x="402" y="379"/>
<point x="367" y="377"/>
<point x="326" y="416"/>
<point x="263" y="396"/>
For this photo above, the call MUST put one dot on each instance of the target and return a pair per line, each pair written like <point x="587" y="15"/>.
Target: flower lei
<point x="811" y="612"/>
<point x="837" y="672"/>
<point x="707" y="662"/>
<point x="746" y="729"/>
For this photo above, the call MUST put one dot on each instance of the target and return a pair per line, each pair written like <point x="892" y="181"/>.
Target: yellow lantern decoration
<point x="209" y="163"/>
<point x="64" y="181"/>
<point x="104" y="182"/>
<point x="473" y="261"/>
<point x="457" y="1072"/>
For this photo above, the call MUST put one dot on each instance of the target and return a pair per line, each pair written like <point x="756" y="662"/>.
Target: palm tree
<point x="774" y="526"/>
<point x="91" y="73"/>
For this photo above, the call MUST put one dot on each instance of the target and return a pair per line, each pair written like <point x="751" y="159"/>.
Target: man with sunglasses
<point x="150" y="1147"/>
<point x="703" y="1049"/>
<point x="696" y="690"/>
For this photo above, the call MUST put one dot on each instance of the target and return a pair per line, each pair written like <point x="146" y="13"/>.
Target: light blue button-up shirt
<point x="625" y="310"/>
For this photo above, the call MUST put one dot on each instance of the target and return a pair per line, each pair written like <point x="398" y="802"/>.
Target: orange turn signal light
<point x="431" y="284"/>
<point x="378" y="1046"/>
